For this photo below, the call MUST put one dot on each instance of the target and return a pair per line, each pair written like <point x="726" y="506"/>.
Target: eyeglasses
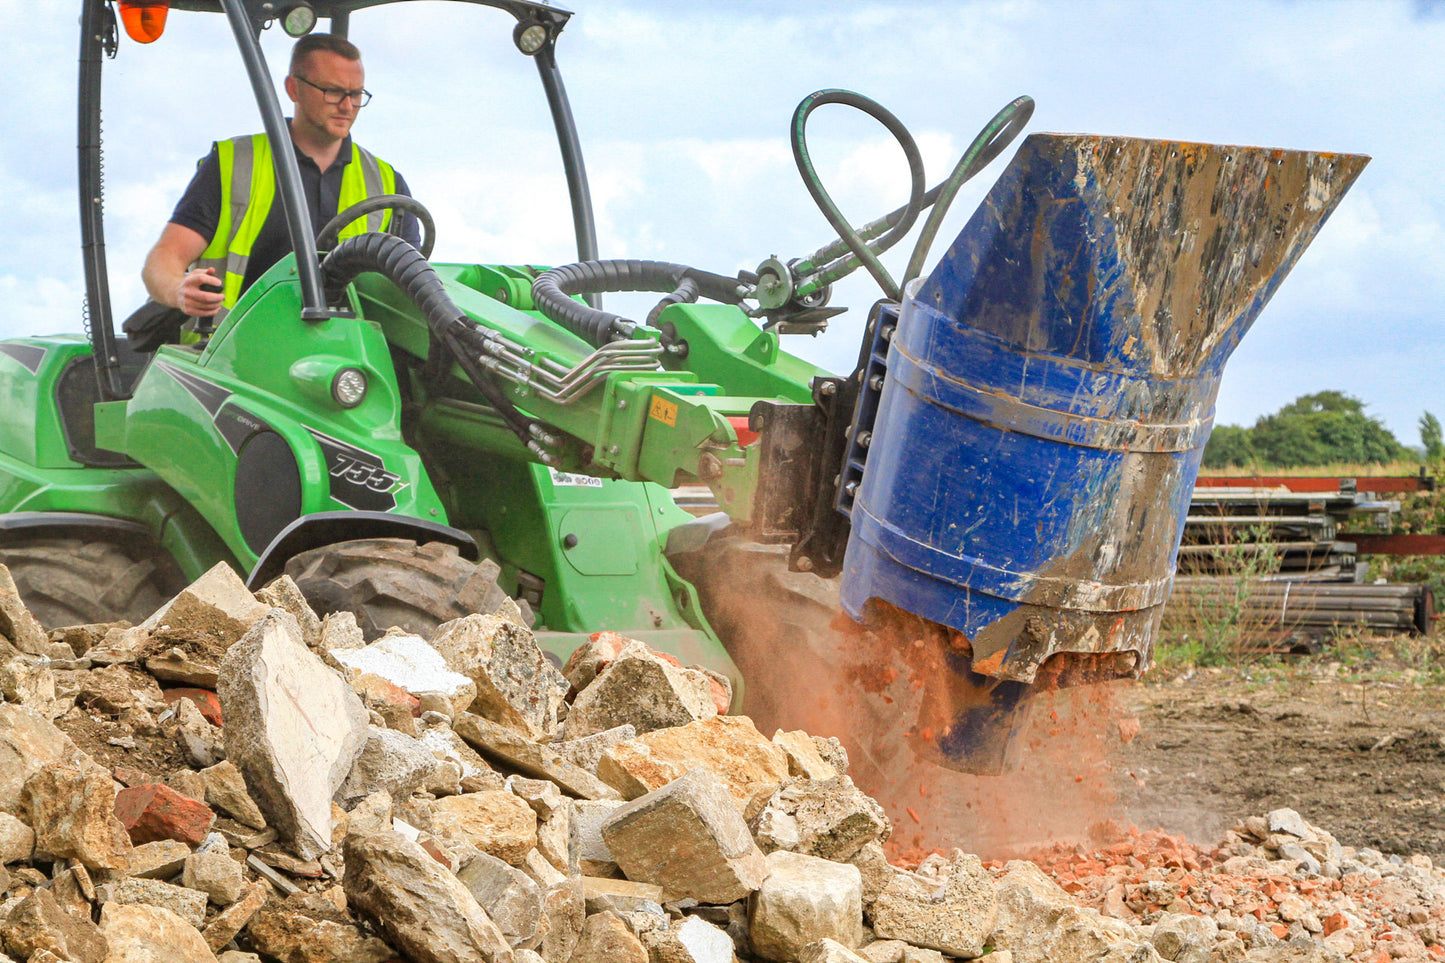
<point x="335" y="95"/>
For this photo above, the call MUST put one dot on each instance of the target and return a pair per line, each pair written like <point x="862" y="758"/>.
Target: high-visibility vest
<point x="248" y="186"/>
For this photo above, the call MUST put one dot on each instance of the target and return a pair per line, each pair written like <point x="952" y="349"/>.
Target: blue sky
<point x="683" y="111"/>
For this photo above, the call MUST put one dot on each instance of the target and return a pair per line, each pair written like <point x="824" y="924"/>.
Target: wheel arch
<point x="323" y="528"/>
<point x="76" y="525"/>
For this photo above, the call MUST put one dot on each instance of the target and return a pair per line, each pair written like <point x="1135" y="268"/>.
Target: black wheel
<point x="69" y="581"/>
<point x="390" y="582"/>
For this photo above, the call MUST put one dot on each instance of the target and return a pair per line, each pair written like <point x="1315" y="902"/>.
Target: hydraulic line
<point x="552" y="293"/>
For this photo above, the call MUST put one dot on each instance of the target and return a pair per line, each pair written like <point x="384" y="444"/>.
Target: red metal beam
<point x="1382" y="544"/>
<point x="1320" y="483"/>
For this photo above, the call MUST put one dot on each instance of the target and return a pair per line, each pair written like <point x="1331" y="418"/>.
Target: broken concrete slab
<point x="149" y="934"/>
<point x="216" y="874"/>
<point x="587" y="751"/>
<point x="495" y="822"/>
<point x="805" y="899"/>
<point x="28" y="682"/>
<point x="691" y="939"/>
<point x="284" y="594"/>
<point x="642" y="689"/>
<point x="17" y="840"/>
<point x="188" y="904"/>
<point x="73" y="813"/>
<point x="234" y="918"/>
<point x="606" y="938"/>
<point x="829" y="951"/>
<point x="831" y="818"/>
<point x="307" y="928"/>
<point x="730" y="747"/>
<point x="425" y="911"/>
<point x="161" y="859"/>
<point x="509" y="896"/>
<point x="407" y="661"/>
<point x="586" y="847"/>
<point x="516" y="684"/>
<point x="956" y="918"/>
<point x="619" y="895"/>
<point x="689" y="838"/>
<point x="390" y="761"/>
<point x="293" y="727"/>
<point x="501" y="744"/>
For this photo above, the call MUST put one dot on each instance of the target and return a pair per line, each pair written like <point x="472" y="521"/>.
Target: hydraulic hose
<point x="552" y="293"/>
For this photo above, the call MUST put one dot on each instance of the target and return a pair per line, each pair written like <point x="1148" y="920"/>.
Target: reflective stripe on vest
<point x="248" y="186"/>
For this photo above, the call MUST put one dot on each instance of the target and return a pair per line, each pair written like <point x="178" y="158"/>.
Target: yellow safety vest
<point x="248" y="186"/>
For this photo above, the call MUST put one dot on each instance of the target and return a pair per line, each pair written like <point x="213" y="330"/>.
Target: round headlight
<point x="530" y="37"/>
<point x="299" y="20"/>
<point x="348" y="387"/>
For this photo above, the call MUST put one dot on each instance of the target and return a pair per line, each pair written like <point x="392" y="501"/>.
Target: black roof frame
<point x="247" y="18"/>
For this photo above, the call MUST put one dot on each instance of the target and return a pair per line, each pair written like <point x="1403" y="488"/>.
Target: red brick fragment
<point x="1334" y="923"/>
<point x="1279" y="930"/>
<point x="154" y="811"/>
<point x="205" y="700"/>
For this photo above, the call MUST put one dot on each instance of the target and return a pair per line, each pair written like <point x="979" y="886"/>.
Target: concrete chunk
<point x="642" y="689"/>
<point x="510" y="897"/>
<point x="307" y="928"/>
<point x="217" y="605"/>
<point x="408" y="662"/>
<point x="830" y="818"/>
<point x="17" y="840"/>
<point x="804" y="759"/>
<point x="829" y="951"/>
<point x="956" y="918"/>
<point x="17" y="625"/>
<point x="38" y="923"/>
<point x="587" y="751"/>
<point x="730" y="747"/>
<point x="188" y="904"/>
<point x="29" y="742"/>
<point x="607" y="939"/>
<point x="689" y="838"/>
<point x="516" y="684"/>
<point x="73" y="812"/>
<point x="495" y="822"/>
<point x="151" y="934"/>
<point x="390" y="761"/>
<point x="225" y="789"/>
<point x="293" y="728"/>
<point x="805" y="899"/>
<point x="499" y="743"/>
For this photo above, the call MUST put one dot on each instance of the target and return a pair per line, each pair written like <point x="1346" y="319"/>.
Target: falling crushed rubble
<point x="238" y="780"/>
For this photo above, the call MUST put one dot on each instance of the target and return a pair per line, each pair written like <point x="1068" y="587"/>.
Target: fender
<point x="324" y="528"/>
<point x="76" y="524"/>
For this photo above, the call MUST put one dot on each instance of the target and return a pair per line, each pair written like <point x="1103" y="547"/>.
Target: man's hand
<point x="199" y="293"/>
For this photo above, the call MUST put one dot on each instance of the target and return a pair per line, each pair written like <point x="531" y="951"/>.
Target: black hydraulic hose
<point x="402" y="264"/>
<point x="866" y="253"/>
<point x="552" y="293"/>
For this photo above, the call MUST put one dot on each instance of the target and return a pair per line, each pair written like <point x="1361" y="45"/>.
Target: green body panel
<point x="585" y="544"/>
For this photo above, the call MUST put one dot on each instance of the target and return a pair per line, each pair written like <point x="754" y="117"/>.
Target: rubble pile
<point x="236" y="779"/>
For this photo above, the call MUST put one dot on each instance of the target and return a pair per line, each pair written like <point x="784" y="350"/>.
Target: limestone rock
<point x="563" y="912"/>
<point x="1040" y="923"/>
<point x="389" y="761"/>
<point x="38" y="923"/>
<point x="73" y="812"/>
<point x="217" y="605"/>
<point x="804" y="759"/>
<point x="805" y="899"/>
<point x="407" y="661"/>
<point x="689" y="838"/>
<point x="225" y="789"/>
<point x="830" y="818"/>
<point x="425" y="911"/>
<point x="829" y="951"/>
<point x="689" y="940"/>
<point x="956" y="918"/>
<point x="188" y="904"/>
<point x="17" y="840"/>
<point x="160" y="859"/>
<point x="27" y="682"/>
<point x="150" y="934"/>
<point x="231" y="920"/>
<point x="498" y="742"/>
<point x="16" y="623"/>
<point x="495" y="822"/>
<point x="586" y="751"/>
<point x="607" y="939"/>
<point x="293" y="728"/>
<point x="29" y="742"/>
<point x="516" y="685"/>
<point x="510" y="897"/>
<point x="642" y="689"/>
<point x="586" y="847"/>
<point x="283" y="593"/>
<point x="619" y="895"/>
<point x="306" y="928"/>
<point x="198" y="737"/>
<point x="730" y="747"/>
<point x="216" y="874"/>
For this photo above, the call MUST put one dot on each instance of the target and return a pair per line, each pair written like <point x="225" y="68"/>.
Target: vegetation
<point x="1313" y="430"/>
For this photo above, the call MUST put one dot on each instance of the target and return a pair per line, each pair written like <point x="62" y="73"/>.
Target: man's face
<point x="334" y="72"/>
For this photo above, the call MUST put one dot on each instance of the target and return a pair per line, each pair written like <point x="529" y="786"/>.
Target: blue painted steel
<point x="1047" y="393"/>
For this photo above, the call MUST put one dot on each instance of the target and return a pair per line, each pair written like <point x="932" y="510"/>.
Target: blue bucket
<point x="1038" y="406"/>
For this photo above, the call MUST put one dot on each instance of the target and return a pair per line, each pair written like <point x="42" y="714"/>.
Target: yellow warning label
<point x="663" y="410"/>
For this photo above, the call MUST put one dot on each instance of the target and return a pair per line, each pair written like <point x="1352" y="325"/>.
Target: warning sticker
<point x="569" y="480"/>
<point x="663" y="410"/>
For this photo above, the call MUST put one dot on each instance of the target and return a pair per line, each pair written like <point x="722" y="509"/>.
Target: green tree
<point x="1228" y="445"/>
<point x="1431" y="438"/>
<point x="1324" y="428"/>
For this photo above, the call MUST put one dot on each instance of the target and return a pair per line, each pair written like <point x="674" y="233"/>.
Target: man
<point x="229" y="228"/>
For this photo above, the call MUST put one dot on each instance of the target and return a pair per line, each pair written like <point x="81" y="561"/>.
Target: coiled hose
<point x="552" y="293"/>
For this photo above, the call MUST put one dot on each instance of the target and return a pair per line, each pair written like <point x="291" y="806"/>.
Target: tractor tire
<point x="394" y="582"/>
<point x="69" y="581"/>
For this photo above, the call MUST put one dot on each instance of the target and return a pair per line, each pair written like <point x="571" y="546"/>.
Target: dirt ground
<point x="1359" y="751"/>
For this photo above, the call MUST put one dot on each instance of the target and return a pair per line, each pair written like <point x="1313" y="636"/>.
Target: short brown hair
<point x="329" y="42"/>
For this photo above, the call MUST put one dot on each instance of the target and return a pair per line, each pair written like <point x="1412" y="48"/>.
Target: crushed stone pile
<point x="238" y="779"/>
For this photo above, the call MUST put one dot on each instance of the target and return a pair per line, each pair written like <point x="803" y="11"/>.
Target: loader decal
<point x="210" y="395"/>
<point x="233" y="423"/>
<point x="29" y="356"/>
<point x="359" y="479"/>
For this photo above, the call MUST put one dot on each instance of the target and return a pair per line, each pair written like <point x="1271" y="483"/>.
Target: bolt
<point x="865" y="438"/>
<point x="828" y="389"/>
<point x="621" y="403"/>
<point x="876" y="382"/>
<point x="613" y="449"/>
<point x="569" y="541"/>
<point x="805" y="564"/>
<point x="850" y="489"/>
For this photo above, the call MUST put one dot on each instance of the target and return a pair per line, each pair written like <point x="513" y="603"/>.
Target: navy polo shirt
<point x="200" y="207"/>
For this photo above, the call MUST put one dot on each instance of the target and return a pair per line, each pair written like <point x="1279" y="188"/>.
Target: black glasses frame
<point x="335" y="95"/>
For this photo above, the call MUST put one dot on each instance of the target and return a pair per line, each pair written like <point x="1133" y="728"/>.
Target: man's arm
<point x="167" y="279"/>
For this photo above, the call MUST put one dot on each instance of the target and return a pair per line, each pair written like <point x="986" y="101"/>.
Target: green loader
<point x="1005" y="473"/>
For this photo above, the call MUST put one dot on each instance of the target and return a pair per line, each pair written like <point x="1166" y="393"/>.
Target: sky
<point x="683" y="111"/>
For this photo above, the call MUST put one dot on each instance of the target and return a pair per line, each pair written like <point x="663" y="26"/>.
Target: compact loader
<point x="1006" y="471"/>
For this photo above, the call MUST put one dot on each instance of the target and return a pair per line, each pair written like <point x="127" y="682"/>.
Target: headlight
<point x="348" y="387"/>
